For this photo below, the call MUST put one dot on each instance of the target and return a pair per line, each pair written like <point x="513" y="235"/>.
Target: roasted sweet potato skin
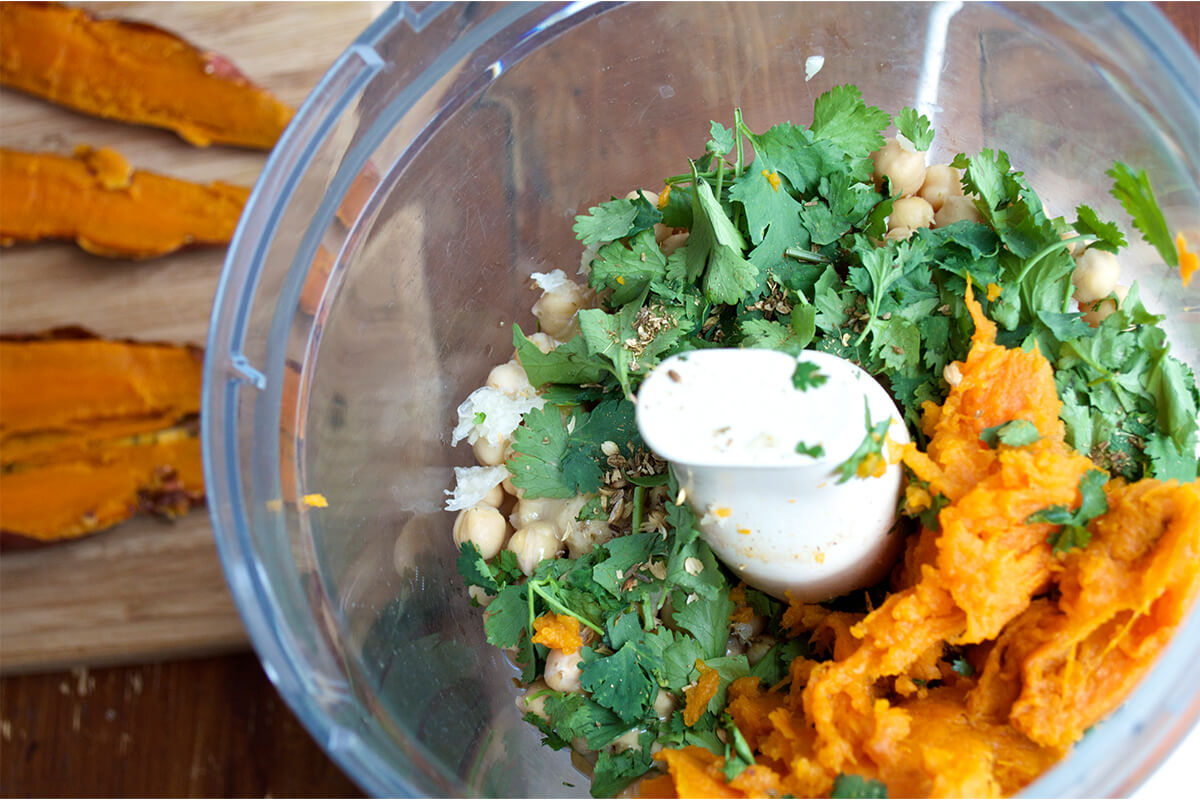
<point x="95" y="199"/>
<point x="93" y="431"/>
<point x="136" y="73"/>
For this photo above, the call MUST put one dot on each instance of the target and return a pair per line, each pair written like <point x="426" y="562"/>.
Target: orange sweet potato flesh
<point x="136" y="73"/>
<point x="1056" y="642"/>
<point x="93" y="431"/>
<point x="108" y="209"/>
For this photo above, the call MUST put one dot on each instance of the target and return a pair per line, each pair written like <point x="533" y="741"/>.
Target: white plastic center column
<point x="730" y="422"/>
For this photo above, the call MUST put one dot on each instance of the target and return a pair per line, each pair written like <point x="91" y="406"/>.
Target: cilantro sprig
<point x="1074" y="533"/>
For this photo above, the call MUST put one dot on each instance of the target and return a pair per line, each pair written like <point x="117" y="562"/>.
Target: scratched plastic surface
<point x="387" y="249"/>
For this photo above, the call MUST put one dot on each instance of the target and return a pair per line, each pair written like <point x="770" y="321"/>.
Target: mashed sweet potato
<point x="992" y="655"/>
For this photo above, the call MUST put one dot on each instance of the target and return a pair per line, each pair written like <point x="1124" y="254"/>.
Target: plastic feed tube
<point x="730" y="422"/>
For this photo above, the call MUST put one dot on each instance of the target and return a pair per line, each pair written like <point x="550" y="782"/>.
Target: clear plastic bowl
<point x="387" y="248"/>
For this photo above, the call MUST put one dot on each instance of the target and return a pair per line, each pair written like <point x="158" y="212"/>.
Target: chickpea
<point x="898" y="234"/>
<point x="626" y="741"/>
<point x="758" y="649"/>
<point x="542" y="341"/>
<point x="489" y="453"/>
<point x="483" y="526"/>
<point x="510" y="379"/>
<point x="494" y="497"/>
<point x="533" y="701"/>
<point x="905" y="168"/>
<point x="480" y="595"/>
<point x="911" y="213"/>
<point x="533" y="543"/>
<point x="562" y="671"/>
<point x="556" y="311"/>
<point x="941" y="181"/>
<point x="674" y="242"/>
<point x="1095" y="313"/>
<point x="955" y="209"/>
<point x="1095" y="276"/>
<point x="536" y="509"/>
<point x="665" y="704"/>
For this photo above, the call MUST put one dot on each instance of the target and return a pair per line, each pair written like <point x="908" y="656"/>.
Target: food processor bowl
<point x="386" y="250"/>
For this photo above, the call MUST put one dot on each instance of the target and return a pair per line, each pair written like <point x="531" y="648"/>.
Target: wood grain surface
<point x="206" y="726"/>
<point x="148" y="589"/>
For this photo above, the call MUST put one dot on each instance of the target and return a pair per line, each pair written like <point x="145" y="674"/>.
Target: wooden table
<point x="209" y="725"/>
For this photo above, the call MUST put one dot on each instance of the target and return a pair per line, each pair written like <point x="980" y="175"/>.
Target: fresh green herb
<point x="1133" y="190"/>
<point x="556" y="460"/>
<point x="963" y="667"/>
<point x="479" y="417"/>
<point x="915" y="127"/>
<point x="871" y="448"/>
<point x="856" y="786"/>
<point x="1074" y="532"/>
<point x="738" y="755"/>
<point x="615" y="220"/>
<point x="808" y="376"/>
<point x="1014" y="433"/>
<point x="813" y="451"/>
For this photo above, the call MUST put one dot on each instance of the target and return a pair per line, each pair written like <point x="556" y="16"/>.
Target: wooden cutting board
<point x="145" y="590"/>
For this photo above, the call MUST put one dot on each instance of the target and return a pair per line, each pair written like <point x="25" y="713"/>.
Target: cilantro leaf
<point x="771" y="335"/>
<point x="628" y="269"/>
<point x="619" y="682"/>
<point x="550" y="462"/>
<point x="808" y="375"/>
<point x="574" y="715"/>
<point x="915" y="127"/>
<point x="1108" y="235"/>
<point x="1014" y="433"/>
<point x="1074" y="532"/>
<point x="474" y="569"/>
<point x="720" y="139"/>
<point x="615" y="220"/>
<point x="841" y="116"/>
<point x="812" y="451"/>
<point x="539" y="447"/>
<point x="963" y="667"/>
<point x="606" y="334"/>
<point x="856" y="786"/>
<point x="773" y="667"/>
<point x="773" y="215"/>
<point x="623" y="553"/>
<point x="706" y="618"/>
<point x="738" y="755"/>
<point x="872" y="446"/>
<point x="508" y="617"/>
<point x="715" y="251"/>
<point x="570" y="362"/>
<point x="1168" y="461"/>
<point x="1133" y="191"/>
<point x="615" y="771"/>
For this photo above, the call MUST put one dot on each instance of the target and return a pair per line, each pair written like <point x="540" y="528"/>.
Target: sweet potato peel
<point x="992" y="655"/>
<point x="136" y="73"/>
<point x="108" y="209"/>
<point x="93" y="431"/>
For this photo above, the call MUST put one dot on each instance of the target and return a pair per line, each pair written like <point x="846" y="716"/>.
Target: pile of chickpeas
<point x="932" y="197"/>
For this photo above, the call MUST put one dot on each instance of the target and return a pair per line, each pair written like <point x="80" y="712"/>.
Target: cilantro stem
<point x="1050" y="248"/>
<point x="535" y="587"/>
<point x="737" y="132"/>
<point x="806" y="255"/>
<point x="639" y="507"/>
